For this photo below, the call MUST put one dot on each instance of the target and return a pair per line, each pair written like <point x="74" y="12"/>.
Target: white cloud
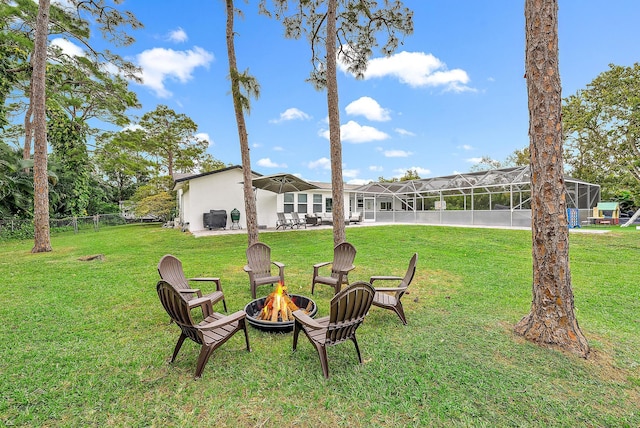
<point x="159" y="64"/>
<point x="322" y="163"/>
<point x="353" y="132"/>
<point x="278" y="149"/>
<point x="474" y="160"/>
<point x="268" y="163"/>
<point x="376" y="168"/>
<point x="131" y="127"/>
<point x="465" y="147"/>
<point x="422" y="172"/>
<point x="350" y="173"/>
<point x="404" y="132"/>
<point x="203" y="136"/>
<point x="177" y="36"/>
<point x="291" y="114"/>
<point x="397" y="154"/>
<point x="68" y="47"/>
<point x="417" y="70"/>
<point x="359" y="181"/>
<point x="369" y="108"/>
<point x="111" y="68"/>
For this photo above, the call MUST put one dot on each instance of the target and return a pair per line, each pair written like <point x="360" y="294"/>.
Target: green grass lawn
<point x="86" y="343"/>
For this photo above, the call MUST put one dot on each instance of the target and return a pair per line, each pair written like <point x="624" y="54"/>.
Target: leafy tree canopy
<point x="601" y="125"/>
<point x="155" y="198"/>
<point x="171" y="139"/>
<point x="358" y="22"/>
<point x="411" y="174"/>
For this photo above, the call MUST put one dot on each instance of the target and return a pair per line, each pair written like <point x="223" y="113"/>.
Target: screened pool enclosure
<point x="499" y="197"/>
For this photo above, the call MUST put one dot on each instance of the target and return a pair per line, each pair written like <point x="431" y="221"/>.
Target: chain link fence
<point x="23" y="229"/>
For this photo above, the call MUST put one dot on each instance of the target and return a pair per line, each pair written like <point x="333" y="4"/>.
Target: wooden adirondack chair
<point x="259" y="267"/>
<point x="343" y="256"/>
<point x="389" y="297"/>
<point x="212" y="332"/>
<point x="170" y="270"/>
<point x="348" y="309"/>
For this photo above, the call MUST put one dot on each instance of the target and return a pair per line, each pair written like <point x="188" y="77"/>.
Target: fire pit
<point x="273" y="312"/>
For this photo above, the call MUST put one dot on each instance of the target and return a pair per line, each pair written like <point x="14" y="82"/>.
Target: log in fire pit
<point x="273" y="312"/>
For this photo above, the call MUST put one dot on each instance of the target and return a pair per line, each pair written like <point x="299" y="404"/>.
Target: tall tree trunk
<point x="249" y="195"/>
<point x="28" y="125"/>
<point x="42" y="238"/>
<point x="335" y="144"/>
<point x="170" y="163"/>
<point x="552" y="319"/>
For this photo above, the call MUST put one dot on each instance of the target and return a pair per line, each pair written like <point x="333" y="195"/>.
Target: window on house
<point x="385" y="206"/>
<point x="317" y="203"/>
<point x="328" y="205"/>
<point x="407" y="205"/>
<point x="302" y="203"/>
<point x="289" y="199"/>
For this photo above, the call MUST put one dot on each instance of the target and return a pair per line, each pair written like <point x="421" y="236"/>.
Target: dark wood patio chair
<point x="343" y="256"/>
<point x="348" y="309"/>
<point x="170" y="270"/>
<point x="312" y="219"/>
<point x="211" y="332"/>
<point x="259" y="267"/>
<point x="389" y="297"/>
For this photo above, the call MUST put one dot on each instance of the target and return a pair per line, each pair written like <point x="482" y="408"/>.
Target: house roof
<point x="180" y="178"/>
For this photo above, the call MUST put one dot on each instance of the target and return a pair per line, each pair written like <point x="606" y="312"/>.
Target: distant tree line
<point x="88" y="170"/>
<point x="135" y="164"/>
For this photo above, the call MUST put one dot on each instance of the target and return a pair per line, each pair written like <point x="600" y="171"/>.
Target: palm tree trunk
<point x="249" y="195"/>
<point x="335" y="144"/>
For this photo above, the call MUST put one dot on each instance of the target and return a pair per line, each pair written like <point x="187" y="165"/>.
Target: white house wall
<point x="213" y="192"/>
<point x="224" y="191"/>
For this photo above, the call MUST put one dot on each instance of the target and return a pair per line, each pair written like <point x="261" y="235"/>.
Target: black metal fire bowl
<point x="254" y="307"/>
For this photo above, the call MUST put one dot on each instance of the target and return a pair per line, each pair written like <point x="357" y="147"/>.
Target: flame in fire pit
<point x="278" y="306"/>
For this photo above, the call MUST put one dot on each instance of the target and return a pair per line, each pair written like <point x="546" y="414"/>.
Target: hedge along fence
<point x="23" y="229"/>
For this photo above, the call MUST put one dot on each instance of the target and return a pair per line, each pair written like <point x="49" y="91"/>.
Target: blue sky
<point x="454" y="91"/>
